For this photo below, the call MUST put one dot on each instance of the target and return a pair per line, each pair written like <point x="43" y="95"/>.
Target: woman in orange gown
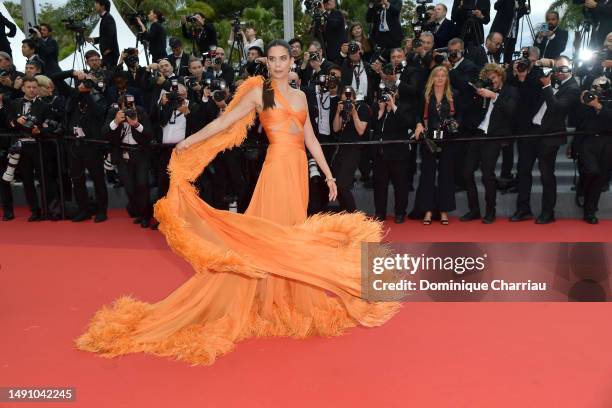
<point x="269" y="272"/>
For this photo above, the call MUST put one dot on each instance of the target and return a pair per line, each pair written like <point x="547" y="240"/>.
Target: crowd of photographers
<point x="117" y="122"/>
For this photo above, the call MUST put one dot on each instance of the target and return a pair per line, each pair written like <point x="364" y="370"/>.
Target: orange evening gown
<point x="269" y="272"/>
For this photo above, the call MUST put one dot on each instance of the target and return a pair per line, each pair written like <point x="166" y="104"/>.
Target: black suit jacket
<point x="465" y="102"/>
<point x="461" y="16"/>
<point x="504" y="16"/>
<point x="500" y="122"/>
<point x="204" y="38"/>
<point x="602" y="21"/>
<point x="335" y="35"/>
<point x="478" y="55"/>
<point x="306" y="75"/>
<point x="313" y="112"/>
<point x="156" y="36"/>
<point x="392" y="38"/>
<point x="183" y="68"/>
<point x="396" y="126"/>
<point x="114" y="136"/>
<point x="48" y="52"/>
<point x="558" y="106"/>
<point x="39" y="109"/>
<point x="347" y="78"/>
<point x="109" y="47"/>
<point x="4" y="42"/>
<point x="552" y="49"/>
<point x="444" y="33"/>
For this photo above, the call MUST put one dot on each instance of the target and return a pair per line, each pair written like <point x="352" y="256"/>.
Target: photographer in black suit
<point x="85" y="120"/>
<point x="109" y="47"/>
<point x="384" y="15"/>
<point x="335" y="31"/>
<point x="155" y="35"/>
<point x="128" y="128"/>
<point x="553" y="107"/>
<point x="552" y="41"/>
<point x="499" y="102"/>
<point x="358" y="74"/>
<point x="179" y="58"/>
<point x="470" y="17"/>
<point x="442" y="28"/>
<point x="12" y="30"/>
<point x="201" y="32"/>
<point x="47" y="47"/>
<point x="26" y="116"/>
<point x="594" y="150"/>
<point x="507" y="22"/>
<point x="490" y="53"/>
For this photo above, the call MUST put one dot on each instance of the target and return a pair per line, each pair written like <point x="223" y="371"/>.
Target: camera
<point x="313" y="170"/>
<point x="353" y="48"/>
<point x="218" y="88"/>
<point x="313" y="56"/>
<point x="523" y="63"/>
<point x="255" y="68"/>
<point x="347" y="104"/>
<point x="130" y="107"/>
<point x="30" y="122"/>
<point x="600" y="89"/>
<point x="14" y="153"/>
<point x="71" y="24"/>
<point x="32" y="30"/>
<point x="3" y="73"/>
<point x="192" y="82"/>
<point x="191" y="19"/>
<point x="385" y="93"/>
<point x="440" y="55"/>
<point x="420" y="13"/>
<point x="53" y="127"/>
<point x="469" y="5"/>
<point x="327" y="82"/>
<point x="311" y="5"/>
<point x="482" y="83"/>
<point x="133" y="18"/>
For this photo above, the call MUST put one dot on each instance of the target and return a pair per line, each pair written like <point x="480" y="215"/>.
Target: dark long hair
<point x="268" y="92"/>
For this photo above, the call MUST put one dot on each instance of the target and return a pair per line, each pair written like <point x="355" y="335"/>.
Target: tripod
<point x="145" y="46"/>
<point x="79" y="39"/>
<point x="238" y="45"/>
<point x="471" y="30"/>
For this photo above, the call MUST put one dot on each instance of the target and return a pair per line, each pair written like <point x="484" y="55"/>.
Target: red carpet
<point x="54" y="276"/>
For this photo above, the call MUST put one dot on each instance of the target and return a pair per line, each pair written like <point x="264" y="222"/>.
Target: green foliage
<point x="14" y="10"/>
<point x="571" y="14"/>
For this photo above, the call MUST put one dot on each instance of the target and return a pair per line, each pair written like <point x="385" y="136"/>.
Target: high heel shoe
<point x="444" y="221"/>
<point x="427" y="221"/>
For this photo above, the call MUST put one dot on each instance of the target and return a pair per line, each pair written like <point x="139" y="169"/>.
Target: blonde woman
<point x="436" y="193"/>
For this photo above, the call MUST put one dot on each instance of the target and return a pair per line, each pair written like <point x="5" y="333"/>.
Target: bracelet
<point x="330" y="179"/>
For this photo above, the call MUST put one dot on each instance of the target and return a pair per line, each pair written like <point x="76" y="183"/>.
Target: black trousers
<point x="29" y="170"/>
<point x="530" y="150"/>
<point x="393" y="171"/>
<point x="436" y="189"/>
<point x="481" y="154"/>
<point x="88" y="157"/>
<point x="595" y="160"/>
<point x="134" y="175"/>
<point x="344" y="165"/>
<point x="6" y="193"/>
<point x="507" y="149"/>
<point x="163" y="178"/>
<point x="228" y="179"/>
<point x="317" y="190"/>
<point x="509" y="45"/>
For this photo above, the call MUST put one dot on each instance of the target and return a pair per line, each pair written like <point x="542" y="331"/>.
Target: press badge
<point x="78" y="131"/>
<point x="126" y="155"/>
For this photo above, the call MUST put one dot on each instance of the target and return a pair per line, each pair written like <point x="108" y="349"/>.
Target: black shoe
<point x="100" y="218"/>
<point x="591" y="219"/>
<point x="489" y="218"/>
<point x="521" y="216"/>
<point x="81" y="217"/>
<point x="137" y="220"/>
<point x="154" y="225"/>
<point x="470" y="216"/>
<point x="380" y="217"/>
<point x="399" y="219"/>
<point x="545" y="219"/>
<point x="8" y="215"/>
<point x="35" y="217"/>
<point x="145" y="223"/>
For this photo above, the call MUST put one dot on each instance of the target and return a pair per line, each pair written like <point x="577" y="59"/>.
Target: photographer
<point x="391" y="122"/>
<point x="155" y="36"/>
<point x="334" y="33"/>
<point x="497" y="110"/>
<point x="195" y="82"/>
<point x="47" y="47"/>
<point x="5" y="45"/>
<point x="350" y="124"/>
<point x="470" y="17"/>
<point x="357" y="74"/>
<point x="218" y="68"/>
<point x="249" y="39"/>
<point x="138" y="77"/>
<point x="121" y="86"/>
<point x="29" y="48"/>
<point x="437" y="120"/>
<point x="196" y="28"/>
<point x="84" y="122"/>
<point x="314" y="64"/>
<point x="490" y="53"/>
<point x="255" y="64"/>
<point x="161" y="74"/>
<point x="507" y="22"/>
<point x="107" y="40"/>
<point x="384" y="15"/>
<point x="594" y="150"/>
<point x="179" y="58"/>
<point x="553" y="107"/>
<point x="26" y="116"/>
<point x="552" y="41"/>
<point x="6" y="156"/>
<point x="599" y="14"/>
<point x="128" y="128"/>
<point x="101" y="77"/>
<point x="10" y="79"/>
<point x="179" y="118"/>
<point x="442" y="28"/>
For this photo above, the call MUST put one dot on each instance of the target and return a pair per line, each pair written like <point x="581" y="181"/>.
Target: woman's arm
<point x="313" y="146"/>
<point x="246" y="105"/>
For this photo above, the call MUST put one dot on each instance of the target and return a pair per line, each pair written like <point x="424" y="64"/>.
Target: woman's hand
<point x="418" y="131"/>
<point x="333" y="189"/>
